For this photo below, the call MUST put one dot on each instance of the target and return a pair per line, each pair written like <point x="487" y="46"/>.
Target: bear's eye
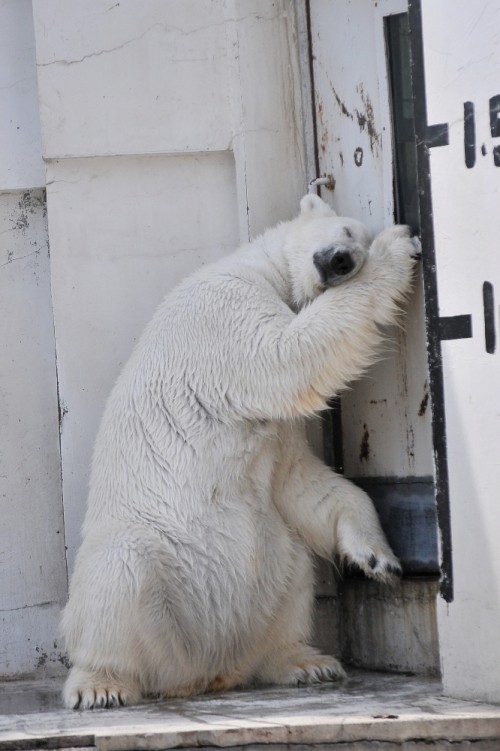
<point x="348" y="232"/>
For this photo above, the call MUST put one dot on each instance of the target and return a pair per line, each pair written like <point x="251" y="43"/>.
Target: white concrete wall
<point x="32" y="557"/>
<point x="123" y="230"/>
<point x="462" y="60"/>
<point x="171" y="131"/>
<point x="21" y="164"/>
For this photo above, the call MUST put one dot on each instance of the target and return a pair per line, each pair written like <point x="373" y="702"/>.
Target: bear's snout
<point x="333" y="264"/>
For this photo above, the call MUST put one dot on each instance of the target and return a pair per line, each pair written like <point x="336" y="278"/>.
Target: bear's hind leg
<point x="289" y="659"/>
<point x="105" y="624"/>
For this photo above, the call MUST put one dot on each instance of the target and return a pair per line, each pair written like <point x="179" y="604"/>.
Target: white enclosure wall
<point x="33" y="583"/>
<point x="171" y="131"/>
<point x="461" y="50"/>
<point x="162" y="150"/>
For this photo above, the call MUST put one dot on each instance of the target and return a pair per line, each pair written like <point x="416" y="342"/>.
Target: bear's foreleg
<point x="330" y="513"/>
<point x="280" y="364"/>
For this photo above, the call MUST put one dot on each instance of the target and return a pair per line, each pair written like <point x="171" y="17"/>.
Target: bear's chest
<point x="246" y="457"/>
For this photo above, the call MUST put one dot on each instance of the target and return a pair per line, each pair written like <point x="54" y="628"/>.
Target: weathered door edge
<point x="430" y="136"/>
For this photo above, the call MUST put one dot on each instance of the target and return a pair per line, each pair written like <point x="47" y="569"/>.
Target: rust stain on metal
<point x="364" y="449"/>
<point x="365" y="117"/>
<point x="366" y="120"/>
<point x="330" y="185"/>
<point x="410" y="443"/>
<point x="320" y="111"/>
<point x="340" y="103"/>
<point x="323" y="141"/>
<point x="425" y="401"/>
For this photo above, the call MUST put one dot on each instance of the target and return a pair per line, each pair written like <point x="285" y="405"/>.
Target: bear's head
<point x="322" y="249"/>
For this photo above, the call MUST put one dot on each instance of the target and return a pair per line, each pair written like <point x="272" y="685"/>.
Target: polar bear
<point x="205" y="502"/>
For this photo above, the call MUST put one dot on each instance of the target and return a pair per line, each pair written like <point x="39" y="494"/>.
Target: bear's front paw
<point x="368" y="550"/>
<point x="417" y="248"/>
<point x="396" y="243"/>
<point x="377" y="564"/>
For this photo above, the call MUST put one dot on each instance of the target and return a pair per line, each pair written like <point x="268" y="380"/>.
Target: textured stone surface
<point x="369" y="710"/>
<point x="390" y="628"/>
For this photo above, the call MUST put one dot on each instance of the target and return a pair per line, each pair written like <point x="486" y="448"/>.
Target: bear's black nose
<point x="332" y="263"/>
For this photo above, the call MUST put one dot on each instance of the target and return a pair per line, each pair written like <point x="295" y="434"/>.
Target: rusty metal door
<point x="360" y="57"/>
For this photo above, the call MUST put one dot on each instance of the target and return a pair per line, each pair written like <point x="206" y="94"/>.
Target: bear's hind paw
<point x="84" y="690"/>
<point x="316" y="669"/>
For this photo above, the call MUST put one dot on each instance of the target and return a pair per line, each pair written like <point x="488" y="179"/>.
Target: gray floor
<point x="367" y="708"/>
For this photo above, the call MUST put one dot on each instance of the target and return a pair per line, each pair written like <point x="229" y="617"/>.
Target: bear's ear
<point x="312" y="204"/>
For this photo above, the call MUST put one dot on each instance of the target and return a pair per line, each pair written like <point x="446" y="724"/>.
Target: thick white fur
<point x="205" y="501"/>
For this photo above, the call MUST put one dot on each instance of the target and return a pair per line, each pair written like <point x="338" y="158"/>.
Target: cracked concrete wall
<point x="33" y="582"/>
<point x="461" y="76"/>
<point x="168" y="133"/>
<point x="164" y="149"/>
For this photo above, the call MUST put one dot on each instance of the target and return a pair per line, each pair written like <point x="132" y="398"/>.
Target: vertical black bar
<point x="313" y="88"/>
<point x="397" y="35"/>
<point x="495" y="126"/>
<point x="469" y="135"/>
<point x="431" y="300"/>
<point x="333" y="448"/>
<point x="495" y="116"/>
<point x="489" y="318"/>
<point x="333" y="445"/>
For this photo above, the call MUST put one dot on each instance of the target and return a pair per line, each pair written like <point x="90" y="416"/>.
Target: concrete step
<point x="368" y="712"/>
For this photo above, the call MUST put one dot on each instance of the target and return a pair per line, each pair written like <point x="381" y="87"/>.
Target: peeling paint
<point x="425" y="401"/>
<point x="29" y="204"/>
<point x="30" y="608"/>
<point x="365" y="117"/>
<point x="57" y="657"/>
<point x="340" y="103"/>
<point x="42" y="657"/>
<point x="323" y="141"/>
<point x="364" y="449"/>
<point x="27" y="207"/>
<point x="63" y="411"/>
<point x="366" y="120"/>
<point x="410" y="444"/>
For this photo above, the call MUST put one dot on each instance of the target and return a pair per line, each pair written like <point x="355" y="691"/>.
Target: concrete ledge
<point x="369" y="711"/>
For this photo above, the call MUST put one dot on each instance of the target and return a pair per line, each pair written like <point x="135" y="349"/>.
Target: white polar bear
<point x="205" y="501"/>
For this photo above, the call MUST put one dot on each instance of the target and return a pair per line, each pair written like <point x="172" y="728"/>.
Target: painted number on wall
<point x="470" y="132"/>
<point x="460" y="327"/>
